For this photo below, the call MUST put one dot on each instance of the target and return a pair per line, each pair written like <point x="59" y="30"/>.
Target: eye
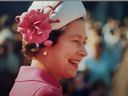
<point x="76" y="41"/>
<point x="84" y="42"/>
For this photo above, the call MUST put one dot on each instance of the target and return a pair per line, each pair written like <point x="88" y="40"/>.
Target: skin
<point x="63" y="58"/>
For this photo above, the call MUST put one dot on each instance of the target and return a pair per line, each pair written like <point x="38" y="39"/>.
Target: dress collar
<point x="28" y="73"/>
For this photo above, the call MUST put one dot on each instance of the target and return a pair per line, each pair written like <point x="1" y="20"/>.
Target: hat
<point x="66" y="12"/>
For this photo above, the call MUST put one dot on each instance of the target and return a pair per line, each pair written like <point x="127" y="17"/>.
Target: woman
<point x="53" y="39"/>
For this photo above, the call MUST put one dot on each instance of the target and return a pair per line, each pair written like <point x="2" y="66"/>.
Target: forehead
<point x="75" y="28"/>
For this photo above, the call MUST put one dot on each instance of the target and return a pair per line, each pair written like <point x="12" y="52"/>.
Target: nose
<point x="82" y="52"/>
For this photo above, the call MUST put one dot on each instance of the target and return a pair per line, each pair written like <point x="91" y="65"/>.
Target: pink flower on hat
<point x="35" y="27"/>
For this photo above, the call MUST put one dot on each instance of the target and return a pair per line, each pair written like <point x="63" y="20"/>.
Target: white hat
<point x="66" y="12"/>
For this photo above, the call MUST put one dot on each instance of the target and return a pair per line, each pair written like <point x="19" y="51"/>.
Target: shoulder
<point x="45" y="91"/>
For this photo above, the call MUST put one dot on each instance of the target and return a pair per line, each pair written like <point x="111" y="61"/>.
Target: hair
<point x="29" y="50"/>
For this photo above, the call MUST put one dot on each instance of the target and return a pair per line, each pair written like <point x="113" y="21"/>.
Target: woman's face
<point x="63" y="58"/>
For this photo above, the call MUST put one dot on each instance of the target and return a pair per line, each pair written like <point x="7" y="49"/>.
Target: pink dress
<point x="32" y="81"/>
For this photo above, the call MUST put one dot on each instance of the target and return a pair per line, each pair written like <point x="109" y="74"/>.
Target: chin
<point x="71" y="75"/>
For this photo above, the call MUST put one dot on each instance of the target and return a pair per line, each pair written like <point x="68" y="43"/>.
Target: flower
<point x="35" y="27"/>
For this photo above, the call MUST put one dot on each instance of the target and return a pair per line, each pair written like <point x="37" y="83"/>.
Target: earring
<point x="45" y="53"/>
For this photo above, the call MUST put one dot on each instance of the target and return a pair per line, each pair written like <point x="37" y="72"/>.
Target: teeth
<point x="74" y="61"/>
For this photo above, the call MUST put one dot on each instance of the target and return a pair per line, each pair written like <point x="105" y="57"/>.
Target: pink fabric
<point x="34" y="26"/>
<point x="35" y="82"/>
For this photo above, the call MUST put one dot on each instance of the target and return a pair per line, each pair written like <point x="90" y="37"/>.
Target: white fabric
<point x="65" y="12"/>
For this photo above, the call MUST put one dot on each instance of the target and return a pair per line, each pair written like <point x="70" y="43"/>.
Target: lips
<point x="74" y="62"/>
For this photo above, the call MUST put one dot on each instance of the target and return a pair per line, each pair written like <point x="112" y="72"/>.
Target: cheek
<point x="67" y="51"/>
<point x="59" y="57"/>
<point x="61" y="53"/>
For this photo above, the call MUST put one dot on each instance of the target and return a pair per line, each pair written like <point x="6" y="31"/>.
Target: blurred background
<point x="102" y="73"/>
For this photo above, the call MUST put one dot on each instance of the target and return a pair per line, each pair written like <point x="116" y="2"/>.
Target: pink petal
<point x="35" y="27"/>
<point x="22" y="30"/>
<point x="36" y="39"/>
<point x="24" y="23"/>
<point x="48" y="43"/>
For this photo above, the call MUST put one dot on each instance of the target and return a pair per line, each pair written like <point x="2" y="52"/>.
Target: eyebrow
<point x="79" y="36"/>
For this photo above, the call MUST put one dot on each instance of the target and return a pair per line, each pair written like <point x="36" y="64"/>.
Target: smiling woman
<point x="53" y="40"/>
<point x="68" y="51"/>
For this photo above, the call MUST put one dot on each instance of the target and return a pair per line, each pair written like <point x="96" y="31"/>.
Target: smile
<point x="74" y="62"/>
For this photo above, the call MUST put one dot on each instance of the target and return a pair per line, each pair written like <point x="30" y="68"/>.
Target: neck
<point x="36" y="63"/>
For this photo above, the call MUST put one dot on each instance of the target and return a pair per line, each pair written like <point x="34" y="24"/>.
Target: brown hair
<point x="29" y="50"/>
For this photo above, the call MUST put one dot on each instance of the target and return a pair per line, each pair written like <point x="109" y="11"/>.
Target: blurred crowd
<point x="103" y="68"/>
<point x="10" y="53"/>
<point x="107" y="47"/>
